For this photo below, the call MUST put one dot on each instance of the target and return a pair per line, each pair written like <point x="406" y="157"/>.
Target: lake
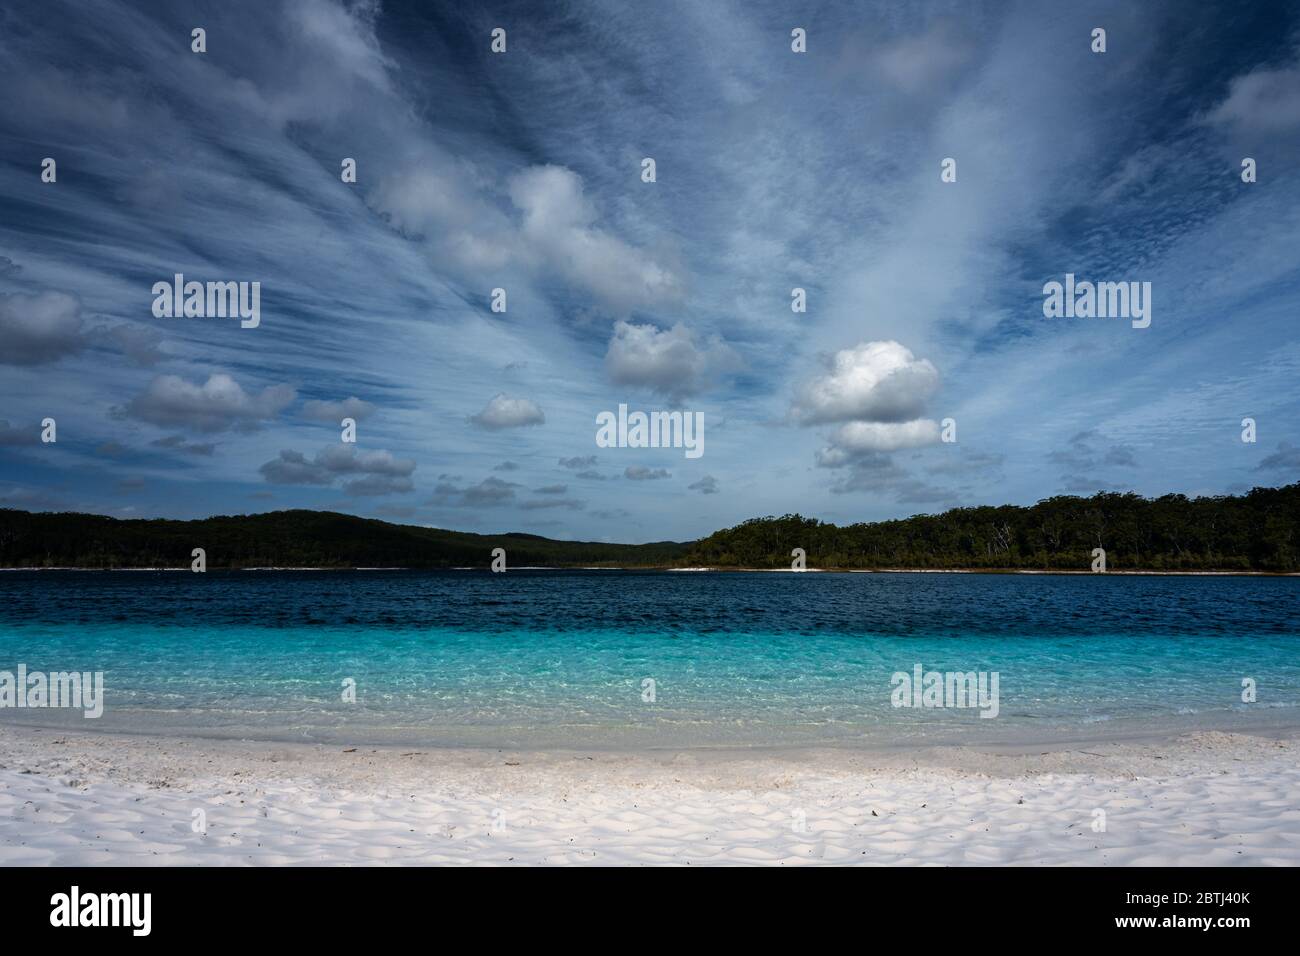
<point x="622" y="659"/>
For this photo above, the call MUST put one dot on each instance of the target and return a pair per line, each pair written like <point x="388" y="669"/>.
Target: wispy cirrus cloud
<point x="775" y="171"/>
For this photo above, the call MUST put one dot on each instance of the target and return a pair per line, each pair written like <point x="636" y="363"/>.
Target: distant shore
<point x="1257" y="574"/>
<point x="1172" y="534"/>
<point x="722" y="570"/>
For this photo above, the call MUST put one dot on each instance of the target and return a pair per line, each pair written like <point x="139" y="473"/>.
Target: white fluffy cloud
<point x="505" y="412"/>
<point x="219" y="404"/>
<point x="858" y="438"/>
<point x="875" y="393"/>
<point x="669" y="362"/>
<point x="874" y="381"/>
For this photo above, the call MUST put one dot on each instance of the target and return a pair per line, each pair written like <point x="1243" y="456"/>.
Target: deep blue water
<point x="555" y="659"/>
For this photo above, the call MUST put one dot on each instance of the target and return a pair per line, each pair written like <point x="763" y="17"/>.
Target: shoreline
<point x="935" y="753"/>
<point x="720" y="570"/>
<point x="1204" y="798"/>
<point x="880" y="743"/>
<point x="1154" y="573"/>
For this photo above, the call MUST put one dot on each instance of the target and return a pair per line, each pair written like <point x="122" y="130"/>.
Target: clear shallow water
<point x="557" y="659"/>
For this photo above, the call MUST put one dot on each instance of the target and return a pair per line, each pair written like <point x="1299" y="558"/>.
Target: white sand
<point x="1203" y="799"/>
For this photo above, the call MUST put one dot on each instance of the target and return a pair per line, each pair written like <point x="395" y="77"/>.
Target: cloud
<point x="506" y="466"/>
<point x="371" y="485"/>
<point x="784" y="192"/>
<point x="372" y="472"/>
<point x="446" y="203"/>
<point x="179" y="443"/>
<point x="551" y="490"/>
<point x="539" y="503"/>
<point x="586" y="461"/>
<point x="43" y="328"/>
<point x="874" y="381"/>
<point x="39" y="329"/>
<point x="219" y="404"/>
<point x="879" y="473"/>
<point x="1261" y="102"/>
<point x="668" y="362"/>
<point x="1086" y="453"/>
<point x="436" y="201"/>
<point x="31" y="499"/>
<point x="924" y="64"/>
<point x="557" y="229"/>
<point x="876" y="392"/>
<point x="490" y="492"/>
<point x="1286" y="458"/>
<point x="968" y="463"/>
<point x="708" y="485"/>
<point x="857" y="438"/>
<point x="334" y="412"/>
<point x="18" y="436"/>
<point x="642" y="473"/>
<point x="504" y="412"/>
<point x="345" y="36"/>
<point x="137" y="343"/>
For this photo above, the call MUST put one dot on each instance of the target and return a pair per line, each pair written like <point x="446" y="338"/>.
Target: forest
<point x="301" y="539"/>
<point x="1257" y="531"/>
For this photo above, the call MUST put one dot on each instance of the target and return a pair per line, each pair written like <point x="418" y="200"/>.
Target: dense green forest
<point x="305" y="539"/>
<point x="1259" y="531"/>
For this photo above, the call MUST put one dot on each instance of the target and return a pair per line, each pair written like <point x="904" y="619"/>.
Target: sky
<point x="523" y="170"/>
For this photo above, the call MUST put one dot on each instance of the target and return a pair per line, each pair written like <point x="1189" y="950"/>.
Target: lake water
<point x="561" y="658"/>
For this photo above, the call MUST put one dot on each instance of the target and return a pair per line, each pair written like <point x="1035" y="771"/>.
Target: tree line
<point x="304" y="539"/>
<point x="1258" y="531"/>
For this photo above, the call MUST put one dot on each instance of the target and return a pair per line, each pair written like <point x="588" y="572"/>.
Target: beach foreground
<point x="1206" y="798"/>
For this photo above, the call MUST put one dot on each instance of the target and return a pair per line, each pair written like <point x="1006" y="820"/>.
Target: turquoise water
<point x="559" y="659"/>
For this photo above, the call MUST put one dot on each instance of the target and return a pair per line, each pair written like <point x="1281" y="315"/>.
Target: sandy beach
<point x="1207" y="798"/>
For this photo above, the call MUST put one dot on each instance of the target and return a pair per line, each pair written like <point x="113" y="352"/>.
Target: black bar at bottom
<point x="305" y="906"/>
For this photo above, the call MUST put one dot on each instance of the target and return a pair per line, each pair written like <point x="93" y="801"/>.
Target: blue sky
<point x="522" y="170"/>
